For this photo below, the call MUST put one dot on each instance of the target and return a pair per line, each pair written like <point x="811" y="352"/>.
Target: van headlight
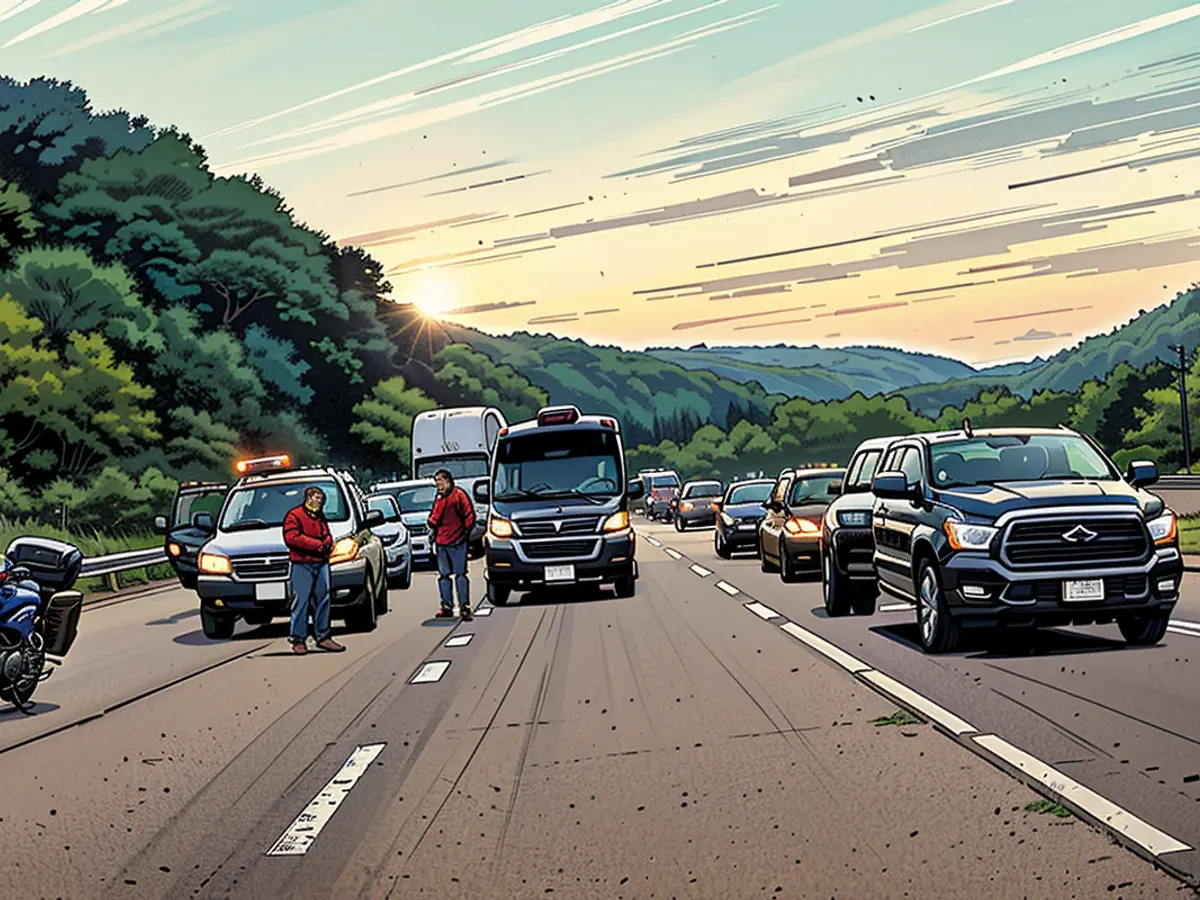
<point x="215" y="564"/>
<point x="618" y="521"/>
<point x="344" y="550"/>
<point x="500" y="528"/>
<point x="1164" y="529"/>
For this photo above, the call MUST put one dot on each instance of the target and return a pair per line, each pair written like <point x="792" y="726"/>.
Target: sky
<point x="990" y="180"/>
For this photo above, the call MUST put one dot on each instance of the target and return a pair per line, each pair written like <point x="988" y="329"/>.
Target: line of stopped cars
<point x="1002" y="530"/>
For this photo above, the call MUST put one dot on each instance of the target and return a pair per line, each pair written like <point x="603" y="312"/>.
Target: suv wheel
<point x="938" y="632"/>
<point x="364" y="615"/>
<point x="719" y="545"/>
<point x="403" y="581"/>
<point x="496" y="594"/>
<point x="217" y="626"/>
<point x="837" y="600"/>
<point x="1141" y="631"/>
<point x="625" y="587"/>
<point x="679" y="526"/>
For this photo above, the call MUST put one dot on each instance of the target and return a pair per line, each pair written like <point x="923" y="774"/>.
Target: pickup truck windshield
<point x="265" y="505"/>
<point x="558" y="463"/>
<point x="458" y="466"/>
<point x="749" y="493"/>
<point x="1014" y="458"/>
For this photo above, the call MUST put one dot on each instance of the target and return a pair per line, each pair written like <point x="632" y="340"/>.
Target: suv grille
<point x="544" y="550"/>
<point x="546" y="527"/>
<point x="261" y="568"/>
<point x="417" y="529"/>
<point x="1117" y="540"/>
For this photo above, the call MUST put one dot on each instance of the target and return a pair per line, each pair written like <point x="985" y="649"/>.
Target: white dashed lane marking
<point x="763" y="612"/>
<point x="822" y="646"/>
<point x="303" y="831"/>
<point x="674" y="554"/>
<point x="483" y="611"/>
<point x="895" y="607"/>
<point x="655" y="541"/>
<point x="460" y="640"/>
<point x="430" y="672"/>
<point x="1179" y="626"/>
<point x="728" y="588"/>
<point x="701" y="571"/>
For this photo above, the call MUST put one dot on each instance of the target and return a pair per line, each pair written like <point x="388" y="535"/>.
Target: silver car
<point x="415" y="499"/>
<point x="394" y="536"/>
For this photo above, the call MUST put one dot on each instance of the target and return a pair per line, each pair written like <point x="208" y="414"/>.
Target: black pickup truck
<point x="1022" y="528"/>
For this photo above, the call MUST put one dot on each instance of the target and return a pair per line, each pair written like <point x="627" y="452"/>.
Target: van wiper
<point x="591" y="498"/>
<point x="248" y="523"/>
<point x="520" y="495"/>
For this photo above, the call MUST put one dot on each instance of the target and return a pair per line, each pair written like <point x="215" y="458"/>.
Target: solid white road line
<point x="895" y="607"/>
<point x="1086" y="799"/>
<point x="728" y="588"/>
<point x="430" y="672"/>
<point x="301" y="834"/>
<point x="483" y="611"/>
<point x="460" y="640"/>
<point x="764" y="612"/>
<point x="701" y="571"/>
<point x="927" y="707"/>
<point x="674" y="554"/>
<point x="822" y="646"/>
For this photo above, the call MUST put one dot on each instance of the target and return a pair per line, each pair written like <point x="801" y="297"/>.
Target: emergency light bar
<point x="262" y="464"/>
<point x="558" y="415"/>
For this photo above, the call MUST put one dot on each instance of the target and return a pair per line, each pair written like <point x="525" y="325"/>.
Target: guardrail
<point x="1178" y="482"/>
<point x="109" y="566"/>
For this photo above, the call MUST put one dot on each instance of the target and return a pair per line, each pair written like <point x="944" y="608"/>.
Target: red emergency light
<point x="558" y="415"/>
<point x="262" y="464"/>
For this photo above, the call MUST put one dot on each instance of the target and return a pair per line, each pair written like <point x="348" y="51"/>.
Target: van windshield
<point x="265" y="505"/>
<point x="458" y="466"/>
<point x="559" y="464"/>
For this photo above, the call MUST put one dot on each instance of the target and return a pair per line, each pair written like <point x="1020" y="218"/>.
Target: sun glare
<point x="432" y="297"/>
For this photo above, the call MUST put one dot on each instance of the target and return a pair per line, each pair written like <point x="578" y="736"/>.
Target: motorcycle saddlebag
<point x="54" y="565"/>
<point x="62" y="621"/>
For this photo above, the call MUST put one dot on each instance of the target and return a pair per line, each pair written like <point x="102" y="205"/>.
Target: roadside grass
<point x="1189" y="534"/>
<point x="93" y="543"/>
<point x="899" y="717"/>
<point x="1048" y="806"/>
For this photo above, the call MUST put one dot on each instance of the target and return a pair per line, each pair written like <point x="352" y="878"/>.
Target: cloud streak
<point x="70" y="14"/>
<point x="962" y="15"/>
<point x="134" y="26"/>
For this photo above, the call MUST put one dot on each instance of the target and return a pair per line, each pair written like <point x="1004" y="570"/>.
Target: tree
<point x="1105" y="409"/>
<point x="479" y="381"/>
<point x="15" y="501"/>
<point x="18" y="224"/>
<point x="1159" y="423"/>
<point x="386" y="415"/>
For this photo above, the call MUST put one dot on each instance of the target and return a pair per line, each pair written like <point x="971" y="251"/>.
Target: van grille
<point x="261" y="568"/>
<point x="1118" y="540"/>
<point x="547" y="527"/>
<point x="551" y="550"/>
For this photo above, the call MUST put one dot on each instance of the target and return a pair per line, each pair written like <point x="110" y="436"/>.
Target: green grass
<point x="899" y="717"/>
<point x="1048" y="806"/>
<point x="1189" y="534"/>
<point x="92" y="543"/>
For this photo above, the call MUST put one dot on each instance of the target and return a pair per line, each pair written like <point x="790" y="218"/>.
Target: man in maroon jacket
<point x="309" y="544"/>
<point x="450" y="524"/>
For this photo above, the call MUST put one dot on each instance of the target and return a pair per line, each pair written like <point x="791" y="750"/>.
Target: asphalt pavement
<point x="698" y="740"/>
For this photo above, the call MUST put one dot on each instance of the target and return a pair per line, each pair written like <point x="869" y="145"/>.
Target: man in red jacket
<point x="450" y="524"/>
<point x="309" y="544"/>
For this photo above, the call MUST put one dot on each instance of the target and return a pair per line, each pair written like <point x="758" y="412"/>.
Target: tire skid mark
<point x="634" y="671"/>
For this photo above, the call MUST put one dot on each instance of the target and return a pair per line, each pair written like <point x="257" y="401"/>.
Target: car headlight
<point x="618" y="521"/>
<point x="969" y="537"/>
<point x="687" y="506"/>
<point x="388" y="539"/>
<point x="1164" y="529"/>
<point x="802" y="526"/>
<point x="174" y="549"/>
<point x="727" y="519"/>
<point x="854" y="518"/>
<point x="500" y="528"/>
<point x="344" y="551"/>
<point x="215" y="564"/>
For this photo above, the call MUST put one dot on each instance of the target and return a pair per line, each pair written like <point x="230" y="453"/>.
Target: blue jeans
<point x="310" y="587"/>
<point x="452" y="560"/>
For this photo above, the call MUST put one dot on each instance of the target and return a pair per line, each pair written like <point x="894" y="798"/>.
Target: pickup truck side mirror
<point x="160" y="524"/>
<point x="895" y="486"/>
<point x="1141" y="473"/>
<point x="482" y="492"/>
<point x="203" y="521"/>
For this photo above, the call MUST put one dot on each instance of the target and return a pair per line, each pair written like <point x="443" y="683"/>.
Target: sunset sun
<point x="432" y="297"/>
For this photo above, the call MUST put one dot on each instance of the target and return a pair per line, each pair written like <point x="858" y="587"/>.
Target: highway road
<point x="699" y="740"/>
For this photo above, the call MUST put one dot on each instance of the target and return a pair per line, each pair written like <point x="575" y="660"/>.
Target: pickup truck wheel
<point x="497" y="595"/>
<point x="862" y="599"/>
<point x="837" y="602"/>
<point x="625" y="587"/>
<point x="938" y="632"/>
<point x="1141" y="631"/>
<point x="258" y="619"/>
<point x="217" y="626"/>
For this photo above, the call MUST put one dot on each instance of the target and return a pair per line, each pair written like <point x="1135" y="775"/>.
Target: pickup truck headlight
<point x="969" y="537"/>
<point x="215" y="564"/>
<point x="618" y="521"/>
<point x="500" y="528"/>
<point x="1163" y="530"/>
<point x="344" y="551"/>
<point x="854" y="518"/>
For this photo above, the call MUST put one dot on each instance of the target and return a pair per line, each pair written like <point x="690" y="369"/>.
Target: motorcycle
<point x="39" y="614"/>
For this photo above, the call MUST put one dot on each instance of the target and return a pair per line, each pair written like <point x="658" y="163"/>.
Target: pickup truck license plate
<point x="560" y="573"/>
<point x="1092" y="589"/>
<point x="271" y="590"/>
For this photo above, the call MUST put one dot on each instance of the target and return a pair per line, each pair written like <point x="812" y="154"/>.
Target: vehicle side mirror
<point x="391" y="517"/>
<point x="1141" y="473"/>
<point x="895" y="486"/>
<point x="835" y="488"/>
<point x="482" y="492"/>
<point x="203" y="521"/>
<point x="374" y="519"/>
<point x="160" y="524"/>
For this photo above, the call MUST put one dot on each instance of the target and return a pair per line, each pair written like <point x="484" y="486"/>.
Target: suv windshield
<point x="704" y="489"/>
<point x="559" y="463"/>
<point x="190" y="504"/>
<point x="384" y="503"/>
<point x="414" y="499"/>
<point x="458" y="466"/>
<point x="662" y="481"/>
<point x="750" y="493"/>
<point x="814" y="488"/>
<point x="265" y="505"/>
<point x="1039" y="457"/>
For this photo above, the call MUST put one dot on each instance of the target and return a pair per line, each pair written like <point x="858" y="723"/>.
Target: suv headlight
<point x="1163" y="530"/>
<point x="344" y="551"/>
<point x="215" y="564"/>
<point x="969" y="537"/>
<point x="854" y="518"/>
<point x="500" y="528"/>
<point x="618" y="521"/>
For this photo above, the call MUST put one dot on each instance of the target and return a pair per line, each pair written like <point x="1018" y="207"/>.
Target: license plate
<point x="271" y="590"/>
<point x="1093" y="589"/>
<point x="748" y="527"/>
<point x="560" y="573"/>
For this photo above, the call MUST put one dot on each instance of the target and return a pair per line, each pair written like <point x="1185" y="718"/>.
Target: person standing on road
<point x="450" y="524"/>
<point x="309" y="543"/>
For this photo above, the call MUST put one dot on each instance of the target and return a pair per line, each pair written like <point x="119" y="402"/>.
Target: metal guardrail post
<point x="113" y="581"/>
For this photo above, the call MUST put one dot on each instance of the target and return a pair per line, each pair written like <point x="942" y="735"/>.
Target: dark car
<point x="559" y="506"/>
<point x="695" y="504"/>
<point x="663" y="488"/>
<point x="738" y="515"/>
<point x="789" y="536"/>
<point x="1023" y="528"/>
<point x="183" y="539"/>
<point x="847" y="545"/>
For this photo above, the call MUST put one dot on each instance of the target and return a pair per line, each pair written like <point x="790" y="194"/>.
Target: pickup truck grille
<point x="547" y="527"/>
<point x="1040" y="542"/>
<point x="261" y="568"/>
<point x="552" y="550"/>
